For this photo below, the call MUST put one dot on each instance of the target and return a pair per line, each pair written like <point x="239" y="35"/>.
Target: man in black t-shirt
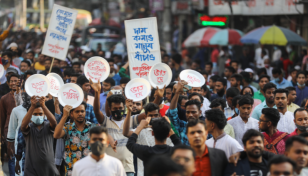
<point x="251" y="162"/>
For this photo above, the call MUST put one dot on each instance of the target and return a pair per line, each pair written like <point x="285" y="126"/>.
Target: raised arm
<point x="59" y="132"/>
<point x="97" y="89"/>
<point x="179" y="90"/>
<point x="50" y="117"/>
<point x="159" y="94"/>
<point x="126" y="131"/>
<point x="25" y="122"/>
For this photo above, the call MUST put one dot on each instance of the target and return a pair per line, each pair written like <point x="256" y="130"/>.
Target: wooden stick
<point x="51" y="64"/>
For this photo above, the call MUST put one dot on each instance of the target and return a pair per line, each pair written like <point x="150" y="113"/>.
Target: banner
<point x="142" y="46"/>
<point x="255" y="7"/>
<point x="59" y="33"/>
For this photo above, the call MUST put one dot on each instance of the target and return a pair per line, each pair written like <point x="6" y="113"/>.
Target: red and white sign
<point x="137" y="89"/>
<point x="160" y="75"/>
<point x="38" y="85"/>
<point x="56" y="82"/>
<point x="193" y="78"/>
<point x="70" y="94"/>
<point x="97" y="69"/>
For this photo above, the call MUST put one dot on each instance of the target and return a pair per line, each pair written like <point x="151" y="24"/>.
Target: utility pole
<point x="42" y="16"/>
<point x="23" y="18"/>
<point x="167" y="25"/>
<point x="231" y="16"/>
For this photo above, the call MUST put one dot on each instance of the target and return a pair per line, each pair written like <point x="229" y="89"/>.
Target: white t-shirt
<point x="228" y="144"/>
<point x="206" y="106"/>
<point x="108" y="165"/>
<point x="119" y="123"/>
<point x="286" y="122"/>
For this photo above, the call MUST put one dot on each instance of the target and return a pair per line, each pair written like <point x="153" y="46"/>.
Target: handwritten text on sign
<point x="142" y="45"/>
<point x="192" y="79"/>
<point x="71" y="94"/>
<point x="137" y="91"/>
<point x="38" y="86"/>
<point x="96" y="70"/>
<point x="159" y="74"/>
<point x="53" y="84"/>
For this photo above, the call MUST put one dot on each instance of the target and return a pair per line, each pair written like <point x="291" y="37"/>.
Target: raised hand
<point x="145" y="122"/>
<point x="42" y="101"/>
<point x="66" y="110"/>
<point x="34" y="100"/>
<point x="129" y="105"/>
<point x="96" y="86"/>
<point x="160" y="92"/>
<point x="179" y="86"/>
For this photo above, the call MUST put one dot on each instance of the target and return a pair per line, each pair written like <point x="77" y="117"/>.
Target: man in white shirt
<point x="215" y="124"/>
<point x="98" y="162"/>
<point x="286" y="122"/>
<point x="243" y="122"/>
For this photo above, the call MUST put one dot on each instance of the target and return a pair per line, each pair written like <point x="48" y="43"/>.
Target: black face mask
<point x="117" y="115"/>
<point x="26" y="100"/>
<point x="98" y="148"/>
<point x="302" y="128"/>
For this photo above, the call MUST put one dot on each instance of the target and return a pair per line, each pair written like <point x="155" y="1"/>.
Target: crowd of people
<point x="232" y="125"/>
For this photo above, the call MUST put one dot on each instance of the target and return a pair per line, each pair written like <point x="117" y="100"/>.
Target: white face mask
<point x="38" y="120"/>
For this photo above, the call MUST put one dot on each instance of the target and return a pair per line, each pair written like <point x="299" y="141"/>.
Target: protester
<point x="184" y="156"/>
<point x="74" y="77"/>
<point x="301" y="121"/>
<point x="107" y="84"/>
<point x="163" y="166"/>
<point x="229" y="71"/>
<point x="25" y="65"/>
<point x="301" y="88"/>
<point x="291" y="98"/>
<point x="269" y="102"/>
<point x="274" y="140"/>
<point x="234" y="106"/>
<point x="279" y="80"/>
<point x="281" y="165"/>
<point x="230" y="94"/>
<point x="98" y="162"/>
<point x="236" y="81"/>
<point x="243" y="121"/>
<point x="252" y="163"/>
<point x="220" y="88"/>
<point x="263" y="79"/>
<point x="6" y="59"/>
<point x="247" y="80"/>
<point x="176" y="62"/>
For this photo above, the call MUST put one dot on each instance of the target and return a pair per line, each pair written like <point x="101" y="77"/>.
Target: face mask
<point x="37" y="119"/>
<point x="26" y="100"/>
<point x="68" y="80"/>
<point x="248" y="94"/>
<point x="277" y="79"/>
<point x="36" y="55"/>
<point x="98" y="148"/>
<point x="302" y="128"/>
<point x="22" y="73"/>
<point x="237" y="111"/>
<point x="301" y="85"/>
<point x="117" y="115"/>
<point x="4" y="62"/>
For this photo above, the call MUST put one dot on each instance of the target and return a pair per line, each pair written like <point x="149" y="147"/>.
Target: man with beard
<point x="269" y="102"/>
<point x="291" y="98"/>
<point x="301" y="121"/>
<point x="301" y="88"/>
<point x="263" y="79"/>
<point x="185" y="157"/>
<point x="297" y="150"/>
<point x="137" y="106"/>
<point x="212" y="83"/>
<point x="236" y="81"/>
<point x="6" y="59"/>
<point x="285" y="123"/>
<point x="243" y="121"/>
<point x="274" y="140"/>
<point x="220" y="87"/>
<point x="251" y="161"/>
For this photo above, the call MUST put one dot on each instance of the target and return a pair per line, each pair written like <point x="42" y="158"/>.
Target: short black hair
<point x="124" y="80"/>
<point x="272" y="115"/>
<point x="236" y="99"/>
<point x="150" y="107"/>
<point x="251" y="133"/>
<point x="234" y="61"/>
<point x="68" y="72"/>
<point x="194" y="122"/>
<point x="110" y="60"/>
<point x="277" y="71"/>
<point x="74" y="74"/>
<point x="218" y="102"/>
<point x="177" y="58"/>
<point x="12" y="75"/>
<point x="264" y="76"/>
<point x="117" y="98"/>
<point x="279" y="159"/>
<point x="216" y="116"/>
<point x="246" y="76"/>
<point x="232" y="92"/>
<point x="193" y="102"/>
<point x="30" y="72"/>
<point x="300" y="72"/>
<point x="81" y="80"/>
<point x="223" y="81"/>
<point x="238" y="77"/>
<point x="170" y="86"/>
<point x="242" y="91"/>
<point x="7" y="53"/>
<point x="56" y="70"/>
<point x="281" y="91"/>
<point x="214" y="78"/>
<point x="110" y="81"/>
<point x="292" y="139"/>
<point x="182" y="97"/>
<point x="183" y="147"/>
<point x="82" y="103"/>
<point x="98" y="130"/>
<point x="162" y="166"/>
<point x="269" y="86"/>
<point x="194" y="94"/>
<point x="261" y="71"/>
<point x="231" y="69"/>
<point x="161" y="129"/>
<point x="76" y="63"/>
<point x="27" y="62"/>
<point x="209" y="63"/>
<point x="299" y="110"/>
<point x="203" y="72"/>
<point x="291" y="89"/>
<point x="245" y="100"/>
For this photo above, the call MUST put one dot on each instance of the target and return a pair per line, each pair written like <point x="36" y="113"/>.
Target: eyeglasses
<point x="264" y="120"/>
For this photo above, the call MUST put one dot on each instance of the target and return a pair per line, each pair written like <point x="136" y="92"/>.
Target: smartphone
<point x="186" y="88"/>
<point x="115" y="92"/>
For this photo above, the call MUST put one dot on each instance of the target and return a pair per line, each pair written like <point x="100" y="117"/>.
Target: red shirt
<point x="214" y="55"/>
<point x="294" y="133"/>
<point x="203" y="165"/>
<point x="163" y="110"/>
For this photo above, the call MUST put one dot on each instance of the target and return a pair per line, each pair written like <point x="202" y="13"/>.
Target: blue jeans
<point x="130" y="173"/>
<point x="11" y="164"/>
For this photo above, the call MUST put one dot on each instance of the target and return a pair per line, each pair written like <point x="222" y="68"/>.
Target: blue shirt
<point x="284" y="83"/>
<point x="90" y="116"/>
<point x="301" y="95"/>
<point x="117" y="79"/>
<point x="103" y="97"/>
<point x="257" y="112"/>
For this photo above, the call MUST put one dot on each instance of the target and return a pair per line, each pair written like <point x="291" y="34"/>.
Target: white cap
<point x="75" y="60"/>
<point x="249" y="70"/>
<point x="13" y="45"/>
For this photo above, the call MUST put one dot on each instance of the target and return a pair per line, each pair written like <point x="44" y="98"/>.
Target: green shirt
<point x="258" y="95"/>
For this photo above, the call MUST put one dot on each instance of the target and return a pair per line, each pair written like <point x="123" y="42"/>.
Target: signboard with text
<point x="59" y="33"/>
<point x="142" y="46"/>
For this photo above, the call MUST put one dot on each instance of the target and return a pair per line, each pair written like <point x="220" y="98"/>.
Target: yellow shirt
<point x="292" y="107"/>
<point x="38" y="66"/>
